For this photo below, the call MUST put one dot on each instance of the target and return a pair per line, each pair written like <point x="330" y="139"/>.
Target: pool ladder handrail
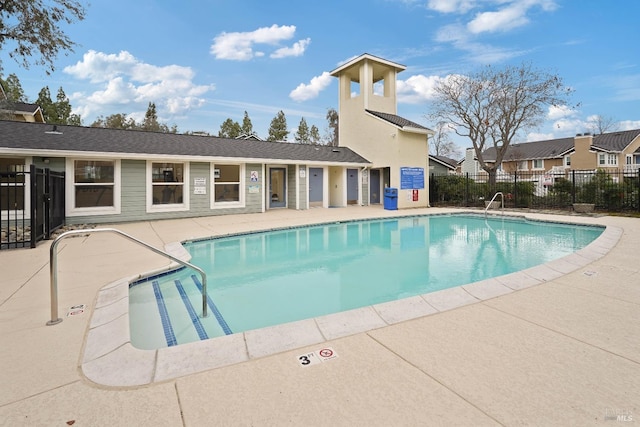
<point x="499" y="193"/>
<point x="53" y="267"/>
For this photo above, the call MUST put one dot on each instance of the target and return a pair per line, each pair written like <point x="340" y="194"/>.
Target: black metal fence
<point x="608" y="191"/>
<point x="24" y="224"/>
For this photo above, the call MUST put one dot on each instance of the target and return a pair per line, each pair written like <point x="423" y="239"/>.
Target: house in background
<point x="396" y="147"/>
<point x="19" y="111"/>
<point x="613" y="151"/>
<point x="441" y="165"/>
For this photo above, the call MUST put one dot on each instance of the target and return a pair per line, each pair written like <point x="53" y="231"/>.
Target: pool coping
<point x="109" y="359"/>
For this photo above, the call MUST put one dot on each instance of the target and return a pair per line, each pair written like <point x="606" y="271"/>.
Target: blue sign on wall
<point x="411" y="178"/>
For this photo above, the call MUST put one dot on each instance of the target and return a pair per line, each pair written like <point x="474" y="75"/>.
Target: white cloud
<point x="123" y="79"/>
<point x="417" y="89"/>
<point x="513" y="15"/>
<point x="560" y="112"/>
<point x="239" y="46"/>
<point x="629" y="124"/>
<point x="451" y="6"/>
<point x="297" y="49"/>
<point x="317" y="84"/>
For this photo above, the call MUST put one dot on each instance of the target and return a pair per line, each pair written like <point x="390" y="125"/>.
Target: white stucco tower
<point x="369" y="124"/>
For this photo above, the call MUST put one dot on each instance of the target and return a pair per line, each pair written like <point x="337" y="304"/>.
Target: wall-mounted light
<point x="45" y="160"/>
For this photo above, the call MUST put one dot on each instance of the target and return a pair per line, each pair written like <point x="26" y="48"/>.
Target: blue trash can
<point x="391" y="199"/>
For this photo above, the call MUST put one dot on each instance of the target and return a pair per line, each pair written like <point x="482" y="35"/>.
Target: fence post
<point x="515" y="189"/>
<point x="34" y="204"/>
<point x="466" y="190"/>
<point x="573" y="186"/>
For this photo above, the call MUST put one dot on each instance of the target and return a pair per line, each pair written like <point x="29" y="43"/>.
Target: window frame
<point x="25" y="212"/>
<point x="607" y="160"/>
<point x="71" y="209"/>
<point x="168" y="207"/>
<point x="533" y="164"/>
<point x="240" y="203"/>
<point x="521" y="163"/>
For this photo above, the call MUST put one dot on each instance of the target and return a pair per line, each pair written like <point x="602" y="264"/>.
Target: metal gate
<point x="21" y="224"/>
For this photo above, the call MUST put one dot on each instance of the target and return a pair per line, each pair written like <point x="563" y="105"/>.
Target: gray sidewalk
<point x="564" y="352"/>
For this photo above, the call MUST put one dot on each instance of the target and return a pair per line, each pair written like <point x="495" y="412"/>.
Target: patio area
<point x="564" y="351"/>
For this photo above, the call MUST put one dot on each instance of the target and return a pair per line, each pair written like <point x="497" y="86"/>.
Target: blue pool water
<point x="263" y="279"/>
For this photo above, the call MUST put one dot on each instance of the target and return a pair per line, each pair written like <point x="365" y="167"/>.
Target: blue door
<point x="352" y="186"/>
<point x="315" y="186"/>
<point x="277" y="188"/>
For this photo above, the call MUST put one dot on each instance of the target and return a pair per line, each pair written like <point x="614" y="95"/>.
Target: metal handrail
<point x="491" y="202"/>
<point x="53" y="267"/>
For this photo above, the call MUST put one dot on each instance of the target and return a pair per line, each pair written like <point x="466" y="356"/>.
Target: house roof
<point x="400" y="122"/>
<point x="20" y="137"/>
<point x="615" y="141"/>
<point x="367" y="56"/>
<point x="557" y="148"/>
<point x="444" y="161"/>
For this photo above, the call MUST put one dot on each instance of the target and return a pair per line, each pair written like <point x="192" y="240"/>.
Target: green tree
<point x="33" y="27"/>
<point x="13" y="89"/>
<point x="247" y="126"/>
<point x="46" y="105"/>
<point x="62" y="108"/>
<point x="115" y="121"/>
<point x="278" y="128"/>
<point x="302" y="134"/>
<point x="332" y="128"/>
<point x="314" y="135"/>
<point x="491" y="106"/>
<point x="229" y="129"/>
<point x="150" y="122"/>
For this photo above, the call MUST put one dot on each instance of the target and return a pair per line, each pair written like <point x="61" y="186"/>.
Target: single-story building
<point x="114" y="175"/>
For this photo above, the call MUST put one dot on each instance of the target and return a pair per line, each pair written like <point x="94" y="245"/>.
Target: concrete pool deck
<point x="564" y="349"/>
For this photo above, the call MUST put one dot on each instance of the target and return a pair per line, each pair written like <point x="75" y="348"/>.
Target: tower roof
<point x="379" y="64"/>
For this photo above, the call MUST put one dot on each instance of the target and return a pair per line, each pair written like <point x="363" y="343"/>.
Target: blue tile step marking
<point x="169" y="334"/>
<point x="192" y="312"/>
<point x="214" y="309"/>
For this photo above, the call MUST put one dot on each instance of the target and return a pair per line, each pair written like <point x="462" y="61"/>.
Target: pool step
<point x="169" y="312"/>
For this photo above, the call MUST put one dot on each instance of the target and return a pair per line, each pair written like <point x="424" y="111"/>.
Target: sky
<point x="202" y="62"/>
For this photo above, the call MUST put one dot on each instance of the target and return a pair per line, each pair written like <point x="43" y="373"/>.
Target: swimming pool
<point x="263" y="279"/>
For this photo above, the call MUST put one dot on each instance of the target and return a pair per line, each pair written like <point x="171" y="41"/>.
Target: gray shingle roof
<point x="445" y="161"/>
<point x="397" y="120"/>
<point x="556" y="148"/>
<point x="39" y="136"/>
<point x="615" y="141"/>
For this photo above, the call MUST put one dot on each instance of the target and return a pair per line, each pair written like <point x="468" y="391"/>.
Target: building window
<point x="12" y="184"/>
<point x="95" y="189"/>
<point x="629" y="159"/>
<point x="168" y="186"/>
<point x="567" y="160"/>
<point x="538" y="164"/>
<point x="605" y="159"/>
<point x="523" y="165"/>
<point x="227" y="183"/>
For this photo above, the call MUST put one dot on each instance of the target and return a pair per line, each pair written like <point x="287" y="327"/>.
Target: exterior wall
<point x="303" y="187"/>
<point x="582" y="159"/>
<point x="292" y="187"/>
<point x="438" y="169"/>
<point x="512" y="166"/>
<point x="134" y="190"/>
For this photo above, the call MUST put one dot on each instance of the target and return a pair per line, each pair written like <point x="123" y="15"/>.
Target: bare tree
<point x="600" y="124"/>
<point x="441" y="142"/>
<point x="491" y="106"/>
